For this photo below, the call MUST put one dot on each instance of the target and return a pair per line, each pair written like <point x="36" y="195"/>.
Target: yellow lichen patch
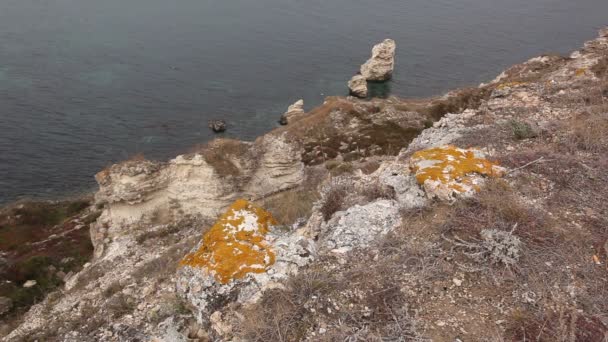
<point x="449" y="169"/>
<point x="580" y="72"/>
<point x="236" y="244"/>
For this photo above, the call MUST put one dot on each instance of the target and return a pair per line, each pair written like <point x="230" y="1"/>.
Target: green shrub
<point x="522" y="130"/>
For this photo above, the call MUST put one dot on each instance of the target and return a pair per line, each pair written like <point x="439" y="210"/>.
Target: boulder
<point x="217" y="126"/>
<point x="239" y="258"/>
<point x="359" y="225"/>
<point x="292" y="111"/>
<point x="358" y="86"/>
<point x="448" y="171"/>
<point x="382" y="63"/>
<point x="30" y="283"/>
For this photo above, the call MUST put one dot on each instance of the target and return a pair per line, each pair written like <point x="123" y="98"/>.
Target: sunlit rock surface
<point x="358" y="86"/>
<point x="448" y="171"/>
<point x="382" y="63"/>
<point x="239" y="258"/>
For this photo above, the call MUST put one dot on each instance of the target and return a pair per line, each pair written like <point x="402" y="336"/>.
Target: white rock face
<point x="382" y="63"/>
<point x="358" y="86"/>
<point x="292" y="112"/>
<point x="359" y="225"/>
<point x="408" y="193"/>
<point x="141" y="191"/>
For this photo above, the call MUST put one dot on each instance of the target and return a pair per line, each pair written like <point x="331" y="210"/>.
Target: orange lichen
<point x="580" y="72"/>
<point x="452" y="167"/>
<point x="236" y="244"/>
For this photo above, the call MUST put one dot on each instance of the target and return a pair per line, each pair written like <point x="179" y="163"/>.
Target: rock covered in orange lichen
<point x="448" y="170"/>
<point x="236" y="245"/>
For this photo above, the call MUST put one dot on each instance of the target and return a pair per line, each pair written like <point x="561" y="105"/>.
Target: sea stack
<point x="378" y="68"/>
<point x="217" y="126"/>
<point x="358" y="86"/>
<point x="295" y="109"/>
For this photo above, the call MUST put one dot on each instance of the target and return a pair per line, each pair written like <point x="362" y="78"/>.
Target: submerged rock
<point x="217" y="126"/>
<point x="382" y="63"/>
<point x="292" y="111"/>
<point x="358" y="86"/>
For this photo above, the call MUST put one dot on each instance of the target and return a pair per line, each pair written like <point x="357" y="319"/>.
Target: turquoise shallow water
<point x="84" y="83"/>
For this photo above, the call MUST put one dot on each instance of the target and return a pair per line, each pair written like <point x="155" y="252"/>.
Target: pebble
<point x="30" y="283"/>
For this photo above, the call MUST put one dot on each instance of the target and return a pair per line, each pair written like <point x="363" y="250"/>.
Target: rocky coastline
<point x="478" y="215"/>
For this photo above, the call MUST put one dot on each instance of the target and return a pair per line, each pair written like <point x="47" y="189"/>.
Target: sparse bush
<point x="600" y="69"/>
<point x="119" y="305"/>
<point x="282" y="315"/>
<point x="501" y="247"/>
<point x="375" y="190"/>
<point x="590" y="131"/>
<point x="288" y="206"/>
<point x="522" y="130"/>
<point x="333" y="200"/>
<point x="113" y="288"/>
<point x="342" y="193"/>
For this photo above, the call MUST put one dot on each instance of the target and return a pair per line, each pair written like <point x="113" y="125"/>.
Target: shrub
<point x="333" y="201"/>
<point x="501" y="247"/>
<point x="590" y="131"/>
<point x="289" y="206"/>
<point x="522" y="130"/>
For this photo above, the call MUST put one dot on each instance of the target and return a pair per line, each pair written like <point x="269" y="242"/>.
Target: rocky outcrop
<point x="448" y="171"/>
<point x="217" y="126"/>
<point x="359" y="225"/>
<point x="382" y="63"/>
<point x="378" y="68"/>
<point x="358" y="86"/>
<point x="238" y="259"/>
<point x="293" y="111"/>
<point x="198" y="185"/>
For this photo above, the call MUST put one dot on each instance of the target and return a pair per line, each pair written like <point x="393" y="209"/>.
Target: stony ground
<point x="366" y="248"/>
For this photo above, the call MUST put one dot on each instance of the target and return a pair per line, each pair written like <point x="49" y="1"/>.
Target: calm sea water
<point x="84" y="83"/>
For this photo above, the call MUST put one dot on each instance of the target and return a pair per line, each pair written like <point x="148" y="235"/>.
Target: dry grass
<point x="522" y="130"/>
<point x="333" y="201"/>
<point x="498" y="206"/>
<point x="600" y="69"/>
<point x="360" y="302"/>
<point x="281" y="315"/>
<point x="589" y="131"/>
<point x="289" y="206"/>
<point x="219" y="153"/>
<point x="342" y="193"/>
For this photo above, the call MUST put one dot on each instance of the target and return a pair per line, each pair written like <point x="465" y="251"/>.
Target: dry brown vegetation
<point x="220" y="152"/>
<point x="555" y="210"/>
<point x="342" y="194"/>
<point x="289" y="206"/>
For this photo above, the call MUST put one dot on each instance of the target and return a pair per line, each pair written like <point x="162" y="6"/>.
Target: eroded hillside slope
<point x="477" y="216"/>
